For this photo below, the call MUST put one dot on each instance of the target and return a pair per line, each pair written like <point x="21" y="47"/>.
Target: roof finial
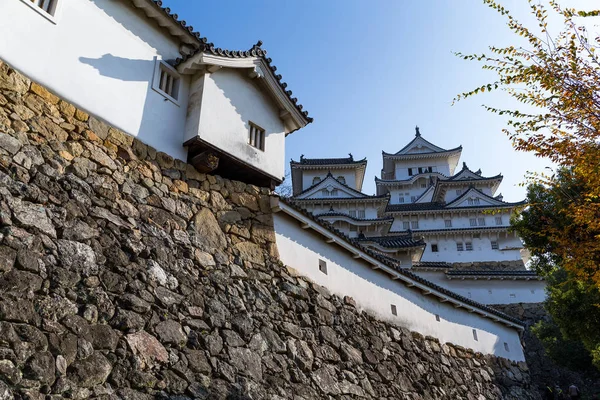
<point x="331" y="208"/>
<point x="417" y="134"/>
<point x="465" y="165"/>
<point x="301" y="157"/>
<point x="351" y="158"/>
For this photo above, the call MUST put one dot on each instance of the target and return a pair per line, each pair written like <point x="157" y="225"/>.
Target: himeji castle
<point x="453" y="222"/>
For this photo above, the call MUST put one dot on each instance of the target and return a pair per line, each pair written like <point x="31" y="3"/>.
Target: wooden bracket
<point x="207" y="161"/>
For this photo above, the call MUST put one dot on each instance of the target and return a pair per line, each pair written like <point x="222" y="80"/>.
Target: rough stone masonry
<point x="126" y="274"/>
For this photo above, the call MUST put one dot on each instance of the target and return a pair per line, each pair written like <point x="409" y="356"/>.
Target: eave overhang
<point x="170" y="22"/>
<point x="258" y="68"/>
<point x="390" y="209"/>
<point x="410" y="181"/>
<point x="385" y="265"/>
<point x="354" y="221"/>
<point x="494" y="275"/>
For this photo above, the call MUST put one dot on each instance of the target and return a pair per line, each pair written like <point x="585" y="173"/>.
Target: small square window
<point x="458" y="192"/>
<point x="489" y="291"/>
<point x="406" y="225"/>
<point x="513" y="296"/>
<point x="498" y="220"/>
<point x="316" y="180"/>
<point x="361" y="214"/>
<point x="532" y="291"/>
<point x="469" y="246"/>
<point x="423" y="185"/>
<point x="434" y="248"/>
<point x="256" y="136"/>
<point x="448" y="223"/>
<point x="481" y="221"/>
<point x="506" y="347"/>
<point x="473" y="221"/>
<point x="166" y="81"/>
<point x="475" y="335"/>
<point x="476" y="202"/>
<point x="413" y="198"/>
<point x="494" y="245"/>
<point x="334" y="192"/>
<point x="437" y="317"/>
<point x="323" y="266"/>
<point x="469" y="294"/>
<point x="414" y="224"/>
<point x="459" y="247"/>
<point x="352" y="213"/>
<point x="410" y="171"/>
<point x="394" y="310"/>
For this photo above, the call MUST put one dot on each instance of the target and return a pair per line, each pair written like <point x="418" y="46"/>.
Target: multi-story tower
<point x="330" y="188"/>
<point x="458" y="214"/>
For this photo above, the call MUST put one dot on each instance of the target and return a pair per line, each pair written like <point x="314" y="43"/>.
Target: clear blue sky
<point x="369" y="71"/>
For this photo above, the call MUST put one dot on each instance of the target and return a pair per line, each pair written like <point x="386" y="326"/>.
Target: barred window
<point x="459" y="246"/>
<point x="469" y="246"/>
<point x="256" y="136"/>
<point x="473" y="221"/>
<point x="448" y="223"/>
<point x="481" y="221"/>
<point x="494" y="245"/>
<point x="414" y="224"/>
<point x="498" y="220"/>
<point x="406" y="225"/>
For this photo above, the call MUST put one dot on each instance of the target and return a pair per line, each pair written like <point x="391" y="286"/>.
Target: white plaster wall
<point x="482" y="249"/>
<point x="308" y="176"/>
<point x="460" y="219"/>
<point x="370" y="211"/>
<point x="230" y="99"/>
<point x="100" y="56"/>
<point x="439" y="165"/>
<point x="493" y="291"/>
<point x="375" y="292"/>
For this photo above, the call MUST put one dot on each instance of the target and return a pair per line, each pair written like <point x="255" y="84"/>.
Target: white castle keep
<point x="430" y="251"/>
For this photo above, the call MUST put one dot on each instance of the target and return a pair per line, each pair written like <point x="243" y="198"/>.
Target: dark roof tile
<point x="328" y="161"/>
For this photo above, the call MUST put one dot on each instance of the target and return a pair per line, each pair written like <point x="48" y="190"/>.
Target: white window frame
<point x="401" y="199"/>
<point x="53" y="16"/>
<point x="156" y="81"/>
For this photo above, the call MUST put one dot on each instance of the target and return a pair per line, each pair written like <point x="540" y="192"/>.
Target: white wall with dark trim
<point x="375" y="292"/>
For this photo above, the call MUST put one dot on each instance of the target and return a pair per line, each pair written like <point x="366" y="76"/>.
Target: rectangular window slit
<point x="394" y="310"/>
<point x="475" y="334"/>
<point x="256" y="136"/>
<point x="437" y="317"/>
<point x="323" y="266"/>
<point x="506" y="346"/>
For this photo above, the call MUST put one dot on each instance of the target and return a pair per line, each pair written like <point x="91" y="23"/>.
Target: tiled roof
<point x="485" y="196"/>
<point x="166" y="11"/>
<point x="328" y="161"/>
<point x="395" y="266"/>
<point x="477" y="178"/>
<point x="254" y="51"/>
<point x="432" y="264"/>
<point x="414" y="207"/>
<point x="340" y="214"/>
<point x="400" y="241"/>
<point x="490" y="273"/>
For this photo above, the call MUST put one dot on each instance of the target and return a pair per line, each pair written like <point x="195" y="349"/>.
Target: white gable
<point x="330" y="187"/>
<point x="420" y="145"/>
<point x="474" y="198"/>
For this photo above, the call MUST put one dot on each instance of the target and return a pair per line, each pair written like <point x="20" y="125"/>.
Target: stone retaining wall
<point x="127" y="274"/>
<point x="544" y="371"/>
